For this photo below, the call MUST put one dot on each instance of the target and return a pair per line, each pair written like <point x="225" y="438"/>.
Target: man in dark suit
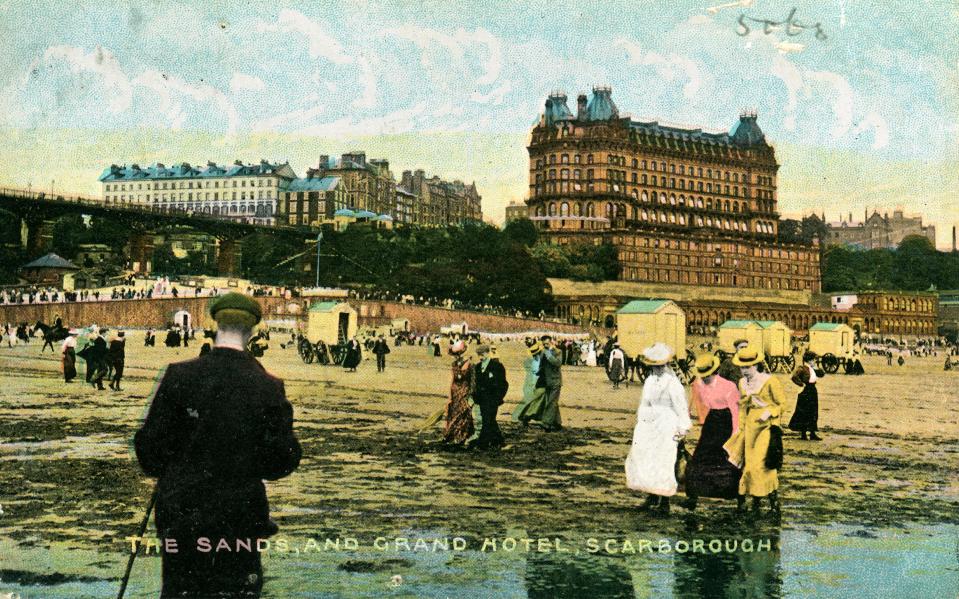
<point x="117" y="359"/>
<point x="488" y="393"/>
<point x="218" y="425"/>
<point x="380" y="349"/>
<point x="551" y="379"/>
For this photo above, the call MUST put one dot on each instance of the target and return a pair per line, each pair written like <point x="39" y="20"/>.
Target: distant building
<point x="369" y="185"/>
<point x="516" y="211"/>
<point x="878" y="231"/>
<point x="241" y="192"/>
<point x="314" y="200"/>
<point x="889" y="312"/>
<point x="405" y="212"/>
<point x="680" y="205"/>
<point x="440" y="203"/>
<point x="48" y="270"/>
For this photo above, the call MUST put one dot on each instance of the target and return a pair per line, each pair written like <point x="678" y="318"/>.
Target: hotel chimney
<point x="953" y="238"/>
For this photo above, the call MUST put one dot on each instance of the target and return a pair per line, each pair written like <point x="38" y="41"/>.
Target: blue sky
<point x="198" y="81"/>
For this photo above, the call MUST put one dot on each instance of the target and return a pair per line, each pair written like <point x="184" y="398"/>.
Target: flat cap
<point x="236" y="301"/>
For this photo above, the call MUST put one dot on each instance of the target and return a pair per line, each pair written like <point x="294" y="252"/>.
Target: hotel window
<point x="672" y="168"/>
<point x="662" y="166"/>
<point x="564" y="173"/>
<point x="564" y="159"/>
<point x="653" y="165"/>
<point x="654" y="180"/>
<point x="589" y="159"/>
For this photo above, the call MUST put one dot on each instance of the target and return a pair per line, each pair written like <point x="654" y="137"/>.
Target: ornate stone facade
<point x="681" y="205"/>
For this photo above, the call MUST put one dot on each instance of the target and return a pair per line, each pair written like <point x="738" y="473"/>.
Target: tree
<point x="521" y="230"/>
<point x="68" y="233"/>
<point x="790" y="231"/>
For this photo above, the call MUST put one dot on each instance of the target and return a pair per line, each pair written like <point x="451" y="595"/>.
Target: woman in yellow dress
<point x="760" y="407"/>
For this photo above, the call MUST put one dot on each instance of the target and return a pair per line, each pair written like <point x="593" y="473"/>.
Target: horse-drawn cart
<point x="329" y="326"/>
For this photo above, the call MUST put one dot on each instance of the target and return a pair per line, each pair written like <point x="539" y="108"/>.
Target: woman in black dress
<point x="806" y="417"/>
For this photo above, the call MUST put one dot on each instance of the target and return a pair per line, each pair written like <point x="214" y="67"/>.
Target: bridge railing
<point x="40" y="196"/>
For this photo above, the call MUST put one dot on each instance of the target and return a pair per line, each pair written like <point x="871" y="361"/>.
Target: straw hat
<point x="535" y="348"/>
<point x="748" y="356"/>
<point x="659" y="354"/>
<point x="706" y="365"/>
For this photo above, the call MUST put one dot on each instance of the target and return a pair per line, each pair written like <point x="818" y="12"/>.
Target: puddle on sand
<point x="816" y="561"/>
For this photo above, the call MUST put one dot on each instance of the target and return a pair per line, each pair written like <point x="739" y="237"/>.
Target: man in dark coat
<point x="488" y="393"/>
<point x="217" y="427"/>
<point x="98" y="360"/>
<point x="117" y="359"/>
<point x="381" y="348"/>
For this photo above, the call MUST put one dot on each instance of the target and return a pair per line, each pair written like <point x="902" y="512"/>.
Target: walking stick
<point x="133" y="553"/>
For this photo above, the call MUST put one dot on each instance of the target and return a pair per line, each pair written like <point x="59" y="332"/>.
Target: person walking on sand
<point x="490" y="387"/>
<point x="531" y="406"/>
<point x="459" y="414"/>
<point x="716" y="400"/>
<point x="354" y="354"/>
<point x="380" y="349"/>
<point x="117" y="353"/>
<point x="550" y="379"/>
<point x="662" y="420"/>
<point x="217" y="427"/>
<point x="616" y="369"/>
<point x="760" y="410"/>
<point x="68" y="351"/>
<point x="806" y="417"/>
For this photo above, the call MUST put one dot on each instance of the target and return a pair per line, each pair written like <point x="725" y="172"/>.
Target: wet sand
<point x="889" y="457"/>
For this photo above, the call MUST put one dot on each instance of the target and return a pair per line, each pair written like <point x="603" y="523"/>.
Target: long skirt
<point x="531" y="408"/>
<point x="806" y="416"/>
<point x="651" y="463"/>
<point x="69" y="364"/>
<point x="709" y="473"/>
<point x="459" y="419"/>
<point x="616" y="371"/>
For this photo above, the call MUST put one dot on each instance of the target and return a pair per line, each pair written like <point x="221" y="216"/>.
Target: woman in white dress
<point x="591" y="354"/>
<point x="662" y="419"/>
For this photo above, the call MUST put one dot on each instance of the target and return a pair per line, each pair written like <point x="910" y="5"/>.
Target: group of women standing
<point x="740" y="447"/>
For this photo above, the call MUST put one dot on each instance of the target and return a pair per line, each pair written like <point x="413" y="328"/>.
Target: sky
<point x="866" y="118"/>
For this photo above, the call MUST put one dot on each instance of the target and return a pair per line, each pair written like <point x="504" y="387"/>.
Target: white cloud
<point x="793" y="80"/>
<point x="494" y="97"/>
<point x="242" y="81"/>
<point x="321" y="43"/>
<point x="172" y="90"/>
<point x="880" y="130"/>
<point x="485" y="48"/>
<point x="399" y="121"/>
<point x="842" y="101"/>
<point x="298" y="118"/>
<point x="668" y="66"/>
<point x="100" y="62"/>
<point x="368" y="82"/>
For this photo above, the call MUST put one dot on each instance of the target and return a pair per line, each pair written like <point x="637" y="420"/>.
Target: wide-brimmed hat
<point x="458" y="348"/>
<point x="535" y="348"/>
<point x="706" y="365"/>
<point x="658" y="354"/>
<point x="748" y="356"/>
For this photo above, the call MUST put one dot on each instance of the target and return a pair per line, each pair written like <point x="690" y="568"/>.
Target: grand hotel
<point x="682" y="206"/>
